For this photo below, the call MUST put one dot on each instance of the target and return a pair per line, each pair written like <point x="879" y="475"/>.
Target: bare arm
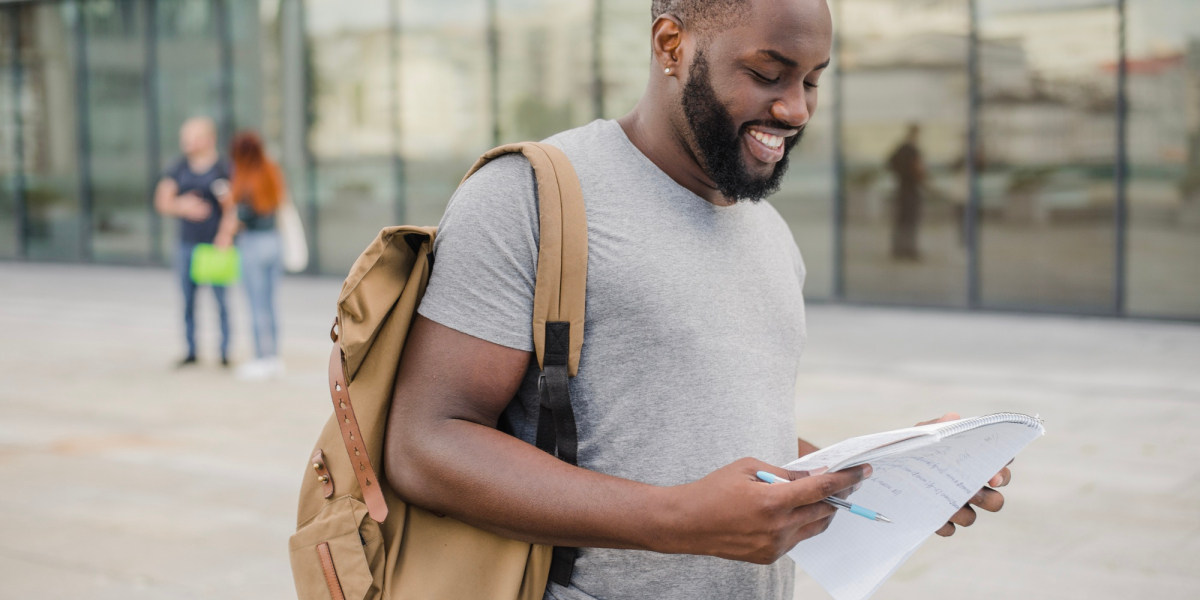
<point x="443" y="453"/>
<point x="229" y="222"/>
<point x="165" y="194"/>
<point x="168" y="202"/>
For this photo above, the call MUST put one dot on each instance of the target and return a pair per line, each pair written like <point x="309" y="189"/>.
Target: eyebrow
<point x="787" y="62"/>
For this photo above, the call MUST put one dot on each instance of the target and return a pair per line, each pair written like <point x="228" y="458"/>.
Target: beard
<point x="717" y="140"/>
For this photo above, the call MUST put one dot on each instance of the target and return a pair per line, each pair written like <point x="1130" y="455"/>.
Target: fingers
<point x="1001" y="479"/>
<point x="964" y="517"/>
<point x="813" y="488"/>
<point x="988" y="499"/>
<point x="950" y="416"/>
<point x="946" y="530"/>
<point x="794" y="475"/>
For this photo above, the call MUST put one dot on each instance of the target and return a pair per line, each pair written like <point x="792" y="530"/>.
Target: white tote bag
<point x="291" y="232"/>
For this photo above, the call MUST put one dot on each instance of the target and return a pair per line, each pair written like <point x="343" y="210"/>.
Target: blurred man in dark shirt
<point x="190" y="190"/>
<point x="907" y="166"/>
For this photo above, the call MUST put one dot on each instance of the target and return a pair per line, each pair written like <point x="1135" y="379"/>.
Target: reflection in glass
<point x="189" y="77"/>
<point x="805" y="200"/>
<point x="1164" y="158"/>
<point x="50" y="130"/>
<point x="9" y="239"/>
<point x="351" y="133"/>
<point x="905" y="106"/>
<point x="545" y="67"/>
<point x="446" y="119"/>
<point x="115" y="34"/>
<point x="624" y="54"/>
<point x="1047" y="130"/>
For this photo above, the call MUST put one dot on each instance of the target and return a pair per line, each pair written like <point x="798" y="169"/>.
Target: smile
<point x="771" y="141"/>
<point x="767" y="145"/>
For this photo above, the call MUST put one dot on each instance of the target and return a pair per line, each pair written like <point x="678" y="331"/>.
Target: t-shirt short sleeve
<point x="485" y="256"/>
<point x="173" y="170"/>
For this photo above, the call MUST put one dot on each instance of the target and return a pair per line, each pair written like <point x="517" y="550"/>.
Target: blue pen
<point x="838" y="502"/>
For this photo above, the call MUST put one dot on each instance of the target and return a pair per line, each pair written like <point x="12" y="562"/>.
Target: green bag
<point x="216" y="266"/>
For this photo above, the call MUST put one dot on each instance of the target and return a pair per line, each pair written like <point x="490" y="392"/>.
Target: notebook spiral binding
<point x="969" y="424"/>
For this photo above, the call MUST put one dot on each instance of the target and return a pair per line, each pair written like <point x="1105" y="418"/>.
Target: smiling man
<point x="695" y="326"/>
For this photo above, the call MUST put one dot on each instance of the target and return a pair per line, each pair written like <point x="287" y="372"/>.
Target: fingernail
<point x="867" y="471"/>
<point x="818" y="470"/>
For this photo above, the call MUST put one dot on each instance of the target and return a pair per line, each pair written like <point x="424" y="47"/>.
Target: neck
<point x="202" y="161"/>
<point x="657" y="135"/>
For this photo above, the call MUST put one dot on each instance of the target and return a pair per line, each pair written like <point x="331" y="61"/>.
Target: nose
<point x="792" y="108"/>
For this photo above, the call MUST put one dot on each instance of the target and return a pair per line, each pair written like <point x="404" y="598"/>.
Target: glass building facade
<point x="1037" y="155"/>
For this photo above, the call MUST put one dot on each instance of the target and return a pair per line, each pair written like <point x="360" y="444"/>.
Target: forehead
<point x="802" y="30"/>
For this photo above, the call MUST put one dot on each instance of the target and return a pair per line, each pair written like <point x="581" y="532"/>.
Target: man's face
<point x="197" y="136"/>
<point x="750" y="91"/>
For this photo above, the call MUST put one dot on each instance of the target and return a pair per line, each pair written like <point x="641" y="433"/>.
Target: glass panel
<point x="50" y="130"/>
<point x="8" y="137"/>
<point x="905" y="102"/>
<point x="247" y="65"/>
<point x="545" y="67"/>
<point x="806" y="198"/>
<point x="444" y="104"/>
<point x="624" y="53"/>
<point x="1164" y="158"/>
<point x="1047" y="129"/>
<point x="116" y="62"/>
<point x="189" y="77"/>
<point x="351" y="135"/>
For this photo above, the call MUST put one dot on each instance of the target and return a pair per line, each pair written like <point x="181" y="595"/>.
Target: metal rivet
<point x="318" y="466"/>
<point x="323" y="479"/>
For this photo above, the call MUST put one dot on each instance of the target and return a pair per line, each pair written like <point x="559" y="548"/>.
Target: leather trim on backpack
<point x="331" y="578"/>
<point x="343" y="411"/>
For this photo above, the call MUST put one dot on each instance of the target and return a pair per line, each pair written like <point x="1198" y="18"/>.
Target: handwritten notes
<point x="919" y="487"/>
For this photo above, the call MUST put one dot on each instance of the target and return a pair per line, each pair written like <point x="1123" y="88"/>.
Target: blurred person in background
<point x="908" y="168"/>
<point x="255" y="196"/>
<point x="189" y="190"/>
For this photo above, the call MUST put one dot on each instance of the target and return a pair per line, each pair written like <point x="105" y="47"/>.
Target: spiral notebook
<point x="921" y="476"/>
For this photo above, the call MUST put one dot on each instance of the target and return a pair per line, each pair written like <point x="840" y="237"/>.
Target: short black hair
<point x="701" y="15"/>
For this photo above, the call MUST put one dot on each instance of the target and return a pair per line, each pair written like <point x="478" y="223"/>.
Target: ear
<point x="666" y="39"/>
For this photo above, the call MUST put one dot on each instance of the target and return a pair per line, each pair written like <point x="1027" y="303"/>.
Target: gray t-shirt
<point x="694" y="329"/>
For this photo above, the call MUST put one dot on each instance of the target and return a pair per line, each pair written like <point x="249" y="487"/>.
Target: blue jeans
<point x="183" y="269"/>
<point x="262" y="267"/>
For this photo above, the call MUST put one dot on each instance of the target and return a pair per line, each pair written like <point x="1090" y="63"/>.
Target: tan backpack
<point x="355" y="539"/>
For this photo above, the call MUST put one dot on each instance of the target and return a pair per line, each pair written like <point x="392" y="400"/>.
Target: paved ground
<point x="121" y="478"/>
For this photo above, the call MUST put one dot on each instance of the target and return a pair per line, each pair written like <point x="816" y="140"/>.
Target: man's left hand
<point x="987" y="498"/>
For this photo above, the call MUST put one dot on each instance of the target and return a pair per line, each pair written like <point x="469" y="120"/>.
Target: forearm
<point x="501" y="484"/>
<point x="229" y="220"/>
<point x="804" y="447"/>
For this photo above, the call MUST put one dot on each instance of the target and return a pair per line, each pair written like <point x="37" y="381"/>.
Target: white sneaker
<point x="261" y="369"/>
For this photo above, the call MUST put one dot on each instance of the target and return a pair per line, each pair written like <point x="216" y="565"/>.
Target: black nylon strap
<point x="556" y="425"/>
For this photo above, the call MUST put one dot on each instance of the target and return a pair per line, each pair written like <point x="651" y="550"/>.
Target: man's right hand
<point x="192" y="207"/>
<point x="732" y="514"/>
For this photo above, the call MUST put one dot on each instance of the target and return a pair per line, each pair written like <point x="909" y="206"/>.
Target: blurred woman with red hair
<point x="256" y="193"/>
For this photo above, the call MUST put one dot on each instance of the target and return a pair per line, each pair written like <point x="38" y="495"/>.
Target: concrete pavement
<point x="123" y="478"/>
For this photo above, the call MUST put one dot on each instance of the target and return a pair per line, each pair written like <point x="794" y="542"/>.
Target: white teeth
<point x="768" y="140"/>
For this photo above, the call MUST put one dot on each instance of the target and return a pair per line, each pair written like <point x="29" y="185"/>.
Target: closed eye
<point x="763" y="78"/>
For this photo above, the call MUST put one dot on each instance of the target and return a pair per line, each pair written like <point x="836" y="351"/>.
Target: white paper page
<point x="848" y="449"/>
<point x="918" y="490"/>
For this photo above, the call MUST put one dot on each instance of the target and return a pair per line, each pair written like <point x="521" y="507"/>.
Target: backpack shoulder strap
<point x="558" y="304"/>
<point x="561" y="287"/>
